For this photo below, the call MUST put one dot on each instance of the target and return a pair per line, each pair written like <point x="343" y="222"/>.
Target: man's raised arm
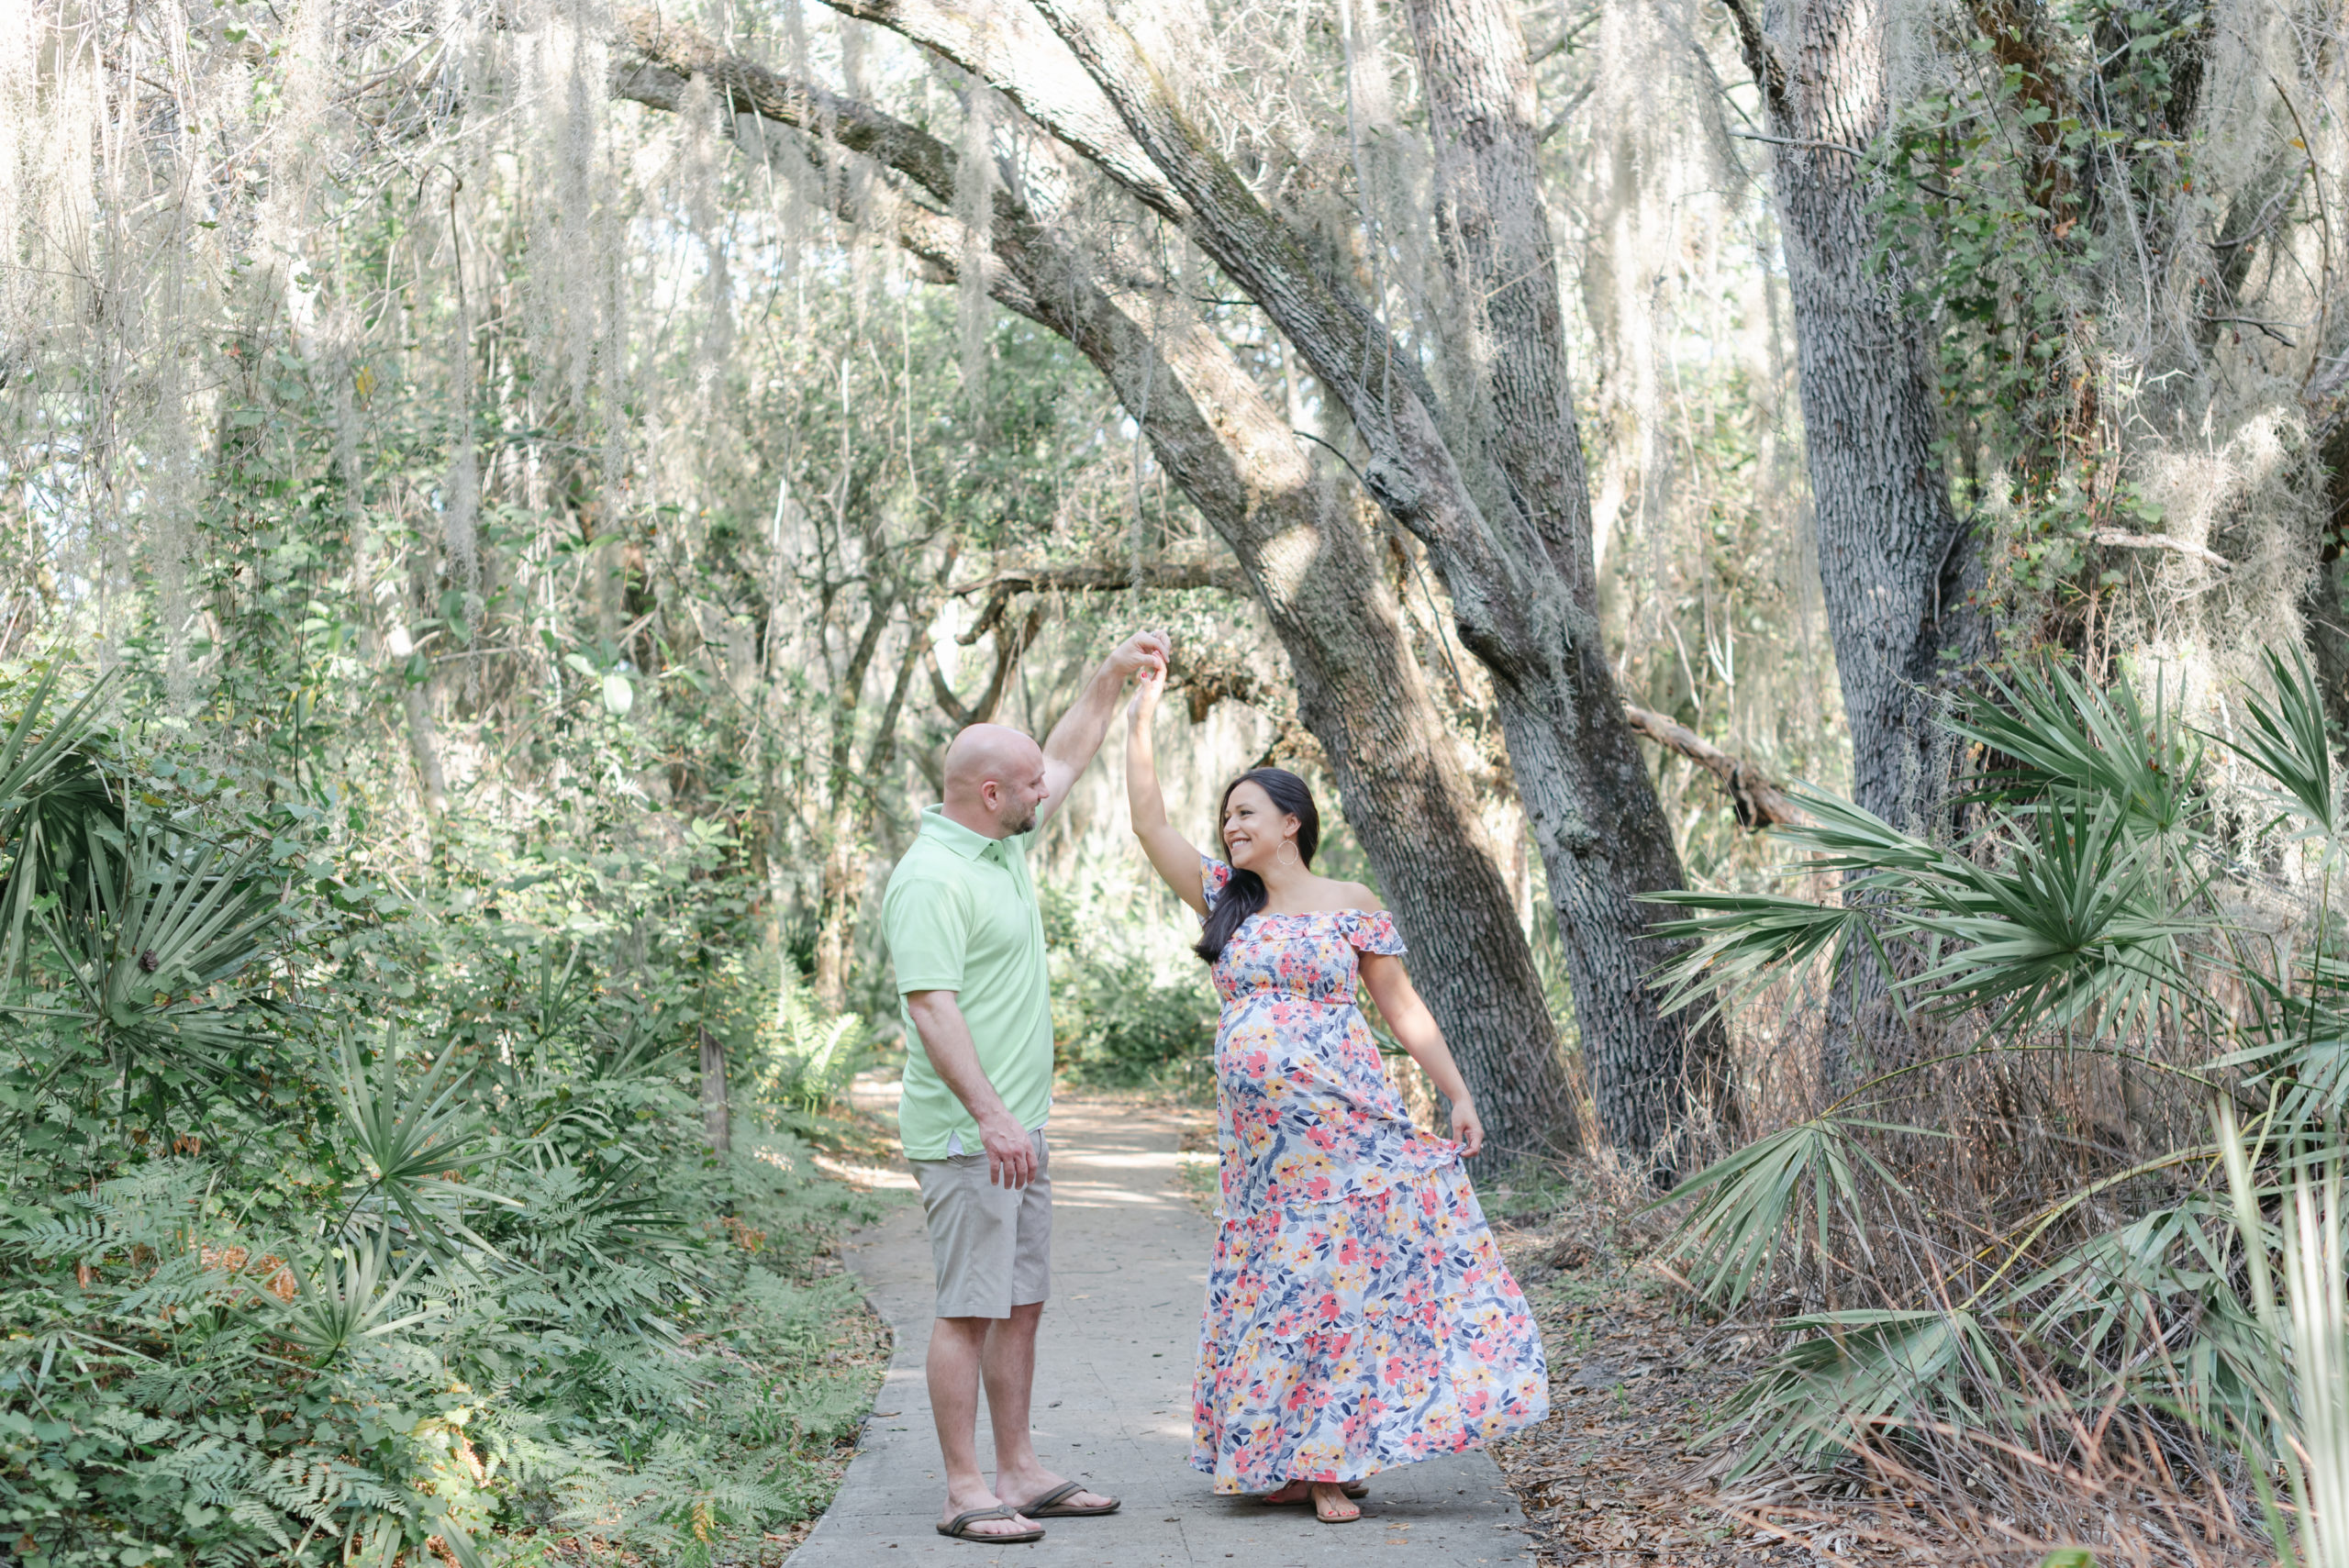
<point x="1074" y="740"/>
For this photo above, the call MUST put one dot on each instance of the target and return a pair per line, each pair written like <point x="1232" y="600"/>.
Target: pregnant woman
<point x="1358" y="1315"/>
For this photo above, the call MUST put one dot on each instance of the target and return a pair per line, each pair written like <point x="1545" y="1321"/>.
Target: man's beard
<point x="1027" y="824"/>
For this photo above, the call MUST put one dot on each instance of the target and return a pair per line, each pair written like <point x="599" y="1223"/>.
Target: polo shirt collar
<point x="936" y="824"/>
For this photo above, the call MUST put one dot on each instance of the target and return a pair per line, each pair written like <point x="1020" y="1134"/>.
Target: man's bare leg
<point x="957" y="1347"/>
<point x="1010" y="1367"/>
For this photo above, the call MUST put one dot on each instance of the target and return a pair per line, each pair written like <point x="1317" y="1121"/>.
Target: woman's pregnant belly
<point x="1282" y="1045"/>
<point x="1308" y="1116"/>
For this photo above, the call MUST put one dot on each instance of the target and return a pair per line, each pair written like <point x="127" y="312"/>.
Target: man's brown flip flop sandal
<point x="958" y="1527"/>
<point x="1049" y="1506"/>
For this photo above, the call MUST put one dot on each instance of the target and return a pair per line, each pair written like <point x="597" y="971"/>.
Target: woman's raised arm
<point x="1172" y="854"/>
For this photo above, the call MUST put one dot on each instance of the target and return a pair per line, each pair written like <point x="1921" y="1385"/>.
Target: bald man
<point x="968" y="946"/>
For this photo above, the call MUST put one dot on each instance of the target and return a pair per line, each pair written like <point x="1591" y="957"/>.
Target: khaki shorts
<point x="993" y="1244"/>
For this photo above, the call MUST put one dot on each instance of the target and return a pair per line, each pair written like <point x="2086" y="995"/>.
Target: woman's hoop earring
<point x="1287" y="854"/>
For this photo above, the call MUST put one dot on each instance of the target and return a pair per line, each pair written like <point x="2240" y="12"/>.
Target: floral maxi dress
<point x="1358" y="1315"/>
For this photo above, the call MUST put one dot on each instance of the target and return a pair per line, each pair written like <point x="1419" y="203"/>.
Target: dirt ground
<point x="1614" y="1477"/>
<point x="1619" y="1476"/>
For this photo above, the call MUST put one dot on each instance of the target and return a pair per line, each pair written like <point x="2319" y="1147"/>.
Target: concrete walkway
<point x="1113" y="1398"/>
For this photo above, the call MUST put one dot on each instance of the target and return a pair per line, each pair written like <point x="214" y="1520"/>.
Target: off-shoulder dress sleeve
<point x="1372" y="930"/>
<point x="1214" y="876"/>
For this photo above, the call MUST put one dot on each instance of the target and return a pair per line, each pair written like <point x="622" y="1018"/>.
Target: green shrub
<point x="1117" y="1024"/>
<point x="801" y="1059"/>
<point x="338" y="1219"/>
<point x="2129" y="924"/>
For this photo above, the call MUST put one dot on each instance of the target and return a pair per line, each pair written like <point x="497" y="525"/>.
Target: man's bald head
<point x="995" y="780"/>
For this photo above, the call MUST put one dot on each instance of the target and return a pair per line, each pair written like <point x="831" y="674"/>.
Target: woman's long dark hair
<point x="1245" y="895"/>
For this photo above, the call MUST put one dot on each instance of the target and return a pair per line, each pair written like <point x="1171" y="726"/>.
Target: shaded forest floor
<point x="1614" y="1476"/>
<point x="1619" y="1476"/>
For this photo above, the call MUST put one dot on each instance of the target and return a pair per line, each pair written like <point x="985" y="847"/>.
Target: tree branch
<point x="1411" y="472"/>
<point x="1762" y="60"/>
<point x="667" y="53"/>
<point x="664" y="58"/>
<point x="1758" y="802"/>
<point x="948" y="702"/>
<point x="1011" y="642"/>
<point x="2118" y="539"/>
<point x="1007" y="45"/>
<point x="1079" y="578"/>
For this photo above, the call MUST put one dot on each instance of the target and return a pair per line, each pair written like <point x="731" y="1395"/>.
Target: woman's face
<point x="1254" y="827"/>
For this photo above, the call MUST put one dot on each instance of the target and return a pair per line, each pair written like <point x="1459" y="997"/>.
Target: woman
<point x="1358" y="1315"/>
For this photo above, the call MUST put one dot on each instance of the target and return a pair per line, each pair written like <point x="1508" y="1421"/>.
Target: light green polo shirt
<point x="960" y="915"/>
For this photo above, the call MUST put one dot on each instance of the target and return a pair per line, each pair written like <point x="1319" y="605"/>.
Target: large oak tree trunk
<point x="1588" y="794"/>
<point x="2325" y="602"/>
<point x="1896" y="562"/>
<point x="716" y="1111"/>
<point x="841" y="882"/>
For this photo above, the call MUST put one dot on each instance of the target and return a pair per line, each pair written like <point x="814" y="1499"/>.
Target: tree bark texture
<point x="1587" y="795"/>
<point x="2325" y="602"/>
<point x="1896" y="562"/>
<point x="1400" y="785"/>
<point x="424" y="743"/>
<point x="847" y="822"/>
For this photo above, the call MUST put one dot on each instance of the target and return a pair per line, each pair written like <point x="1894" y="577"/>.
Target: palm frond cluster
<point x="335" y="1236"/>
<point x="2098" y="1085"/>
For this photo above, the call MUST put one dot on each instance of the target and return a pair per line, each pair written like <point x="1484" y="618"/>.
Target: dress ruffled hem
<point x="1352" y="1468"/>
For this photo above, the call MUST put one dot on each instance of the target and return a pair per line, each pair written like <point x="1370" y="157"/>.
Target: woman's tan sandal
<point x="1323" y="1510"/>
<point x="1356" y="1489"/>
<point x="1051" y="1506"/>
<point x="958" y="1527"/>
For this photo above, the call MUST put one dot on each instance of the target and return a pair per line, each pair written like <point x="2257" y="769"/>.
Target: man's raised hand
<point x="1141" y="652"/>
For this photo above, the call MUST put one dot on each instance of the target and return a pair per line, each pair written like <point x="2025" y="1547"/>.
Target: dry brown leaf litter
<point x="1616" y="1476"/>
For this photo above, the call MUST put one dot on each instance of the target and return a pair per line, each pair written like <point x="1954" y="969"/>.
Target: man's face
<point x="1015" y="797"/>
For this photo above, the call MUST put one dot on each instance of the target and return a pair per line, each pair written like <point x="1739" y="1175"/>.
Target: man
<point x="968" y="944"/>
